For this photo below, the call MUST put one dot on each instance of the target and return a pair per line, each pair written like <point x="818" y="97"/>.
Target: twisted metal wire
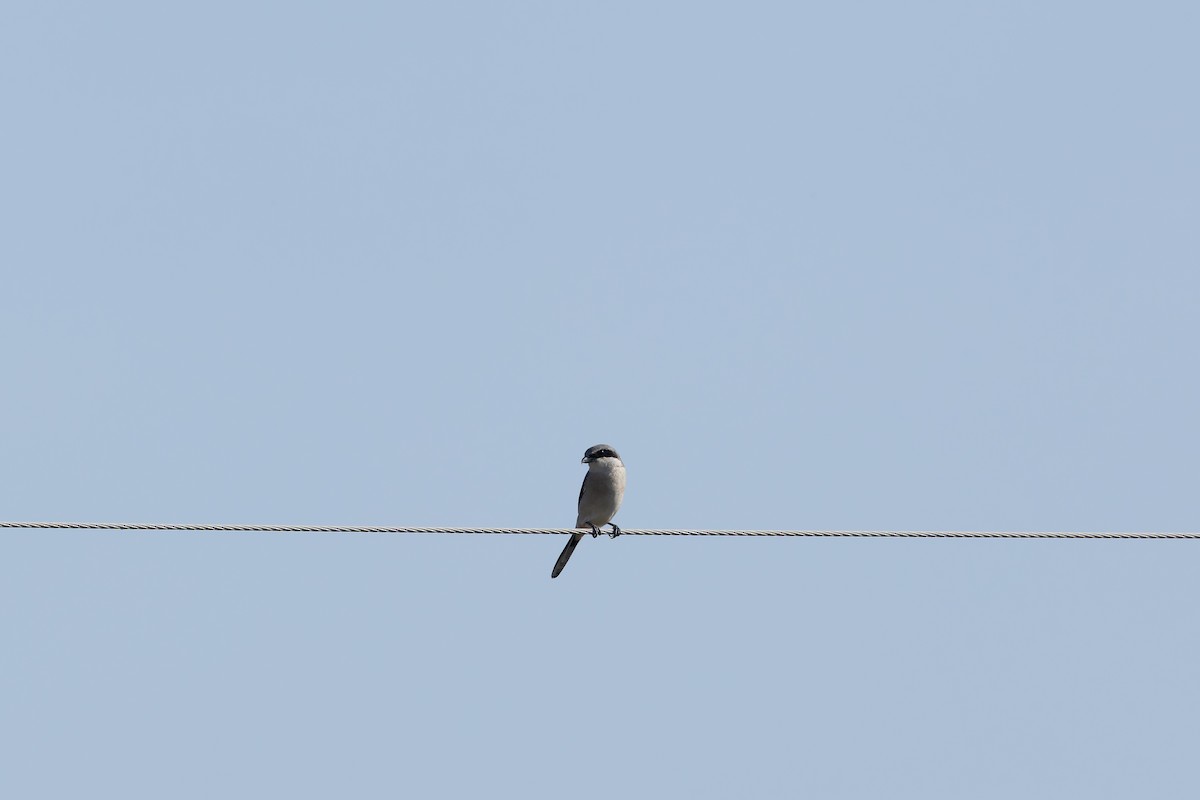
<point x="133" y="526"/>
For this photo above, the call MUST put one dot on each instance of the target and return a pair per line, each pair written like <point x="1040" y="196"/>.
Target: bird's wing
<point x="583" y="488"/>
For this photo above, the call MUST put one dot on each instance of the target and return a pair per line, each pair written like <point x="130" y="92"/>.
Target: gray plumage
<point x="599" y="497"/>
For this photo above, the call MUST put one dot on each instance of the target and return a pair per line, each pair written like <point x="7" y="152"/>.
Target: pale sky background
<point x="860" y="265"/>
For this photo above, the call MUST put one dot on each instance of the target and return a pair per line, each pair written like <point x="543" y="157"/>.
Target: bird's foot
<point x="595" y="531"/>
<point x="615" y="531"/>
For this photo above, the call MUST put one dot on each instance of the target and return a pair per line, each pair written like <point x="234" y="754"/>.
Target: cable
<point x="122" y="526"/>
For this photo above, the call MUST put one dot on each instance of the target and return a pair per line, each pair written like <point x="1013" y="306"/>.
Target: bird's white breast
<point x="609" y="473"/>
<point x="602" y="492"/>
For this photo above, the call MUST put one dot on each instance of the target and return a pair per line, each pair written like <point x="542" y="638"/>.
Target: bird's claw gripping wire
<point x="615" y="531"/>
<point x="595" y="531"/>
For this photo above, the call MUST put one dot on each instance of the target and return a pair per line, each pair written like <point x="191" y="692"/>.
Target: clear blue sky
<point x="870" y="265"/>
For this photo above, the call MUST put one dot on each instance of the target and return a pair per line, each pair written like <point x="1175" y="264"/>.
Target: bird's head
<point x="599" y="451"/>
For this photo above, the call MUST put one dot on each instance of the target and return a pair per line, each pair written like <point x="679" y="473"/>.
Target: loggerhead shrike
<point x="599" y="497"/>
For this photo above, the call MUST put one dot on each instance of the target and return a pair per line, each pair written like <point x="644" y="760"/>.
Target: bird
<point x="599" y="498"/>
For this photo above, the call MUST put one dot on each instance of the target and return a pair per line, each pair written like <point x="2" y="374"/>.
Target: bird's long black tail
<point x="565" y="555"/>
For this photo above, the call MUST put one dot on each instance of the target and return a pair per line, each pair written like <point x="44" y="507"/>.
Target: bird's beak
<point x="585" y="460"/>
